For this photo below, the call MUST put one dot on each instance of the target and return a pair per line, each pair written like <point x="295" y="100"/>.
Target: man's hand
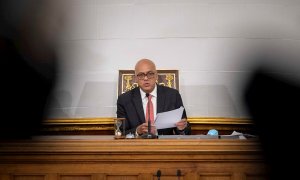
<point x="143" y="128"/>
<point x="181" y="125"/>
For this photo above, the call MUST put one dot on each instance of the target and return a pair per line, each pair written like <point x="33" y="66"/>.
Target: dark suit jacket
<point x="129" y="106"/>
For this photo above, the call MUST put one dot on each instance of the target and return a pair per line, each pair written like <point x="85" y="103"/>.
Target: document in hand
<point x="168" y="119"/>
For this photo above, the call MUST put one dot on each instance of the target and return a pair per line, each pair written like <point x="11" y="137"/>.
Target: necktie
<point x="150" y="110"/>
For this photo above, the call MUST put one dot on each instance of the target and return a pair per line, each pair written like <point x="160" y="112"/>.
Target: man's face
<point x="146" y="76"/>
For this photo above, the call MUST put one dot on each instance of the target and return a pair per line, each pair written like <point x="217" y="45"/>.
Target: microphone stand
<point x="178" y="174"/>
<point x="158" y="174"/>
<point x="149" y="135"/>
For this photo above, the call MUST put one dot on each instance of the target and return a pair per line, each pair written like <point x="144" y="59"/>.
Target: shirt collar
<point x="153" y="93"/>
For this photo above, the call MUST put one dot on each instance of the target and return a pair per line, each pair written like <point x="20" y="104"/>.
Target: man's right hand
<point x="143" y="128"/>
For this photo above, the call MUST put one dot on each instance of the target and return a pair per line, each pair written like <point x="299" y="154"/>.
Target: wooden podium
<point x="104" y="158"/>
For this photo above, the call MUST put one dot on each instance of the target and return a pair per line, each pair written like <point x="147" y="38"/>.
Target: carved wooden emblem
<point x="165" y="78"/>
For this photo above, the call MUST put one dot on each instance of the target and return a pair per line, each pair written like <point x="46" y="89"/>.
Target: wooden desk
<point x="103" y="158"/>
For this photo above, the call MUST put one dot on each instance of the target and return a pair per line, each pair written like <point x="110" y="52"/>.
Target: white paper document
<point x="168" y="119"/>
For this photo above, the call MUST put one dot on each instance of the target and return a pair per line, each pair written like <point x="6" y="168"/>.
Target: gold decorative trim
<point x="80" y="121"/>
<point x="77" y="128"/>
<point x="105" y="125"/>
<point x="220" y="120"/>
<point x="110" y="121"/>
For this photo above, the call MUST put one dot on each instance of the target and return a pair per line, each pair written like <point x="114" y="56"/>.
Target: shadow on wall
<point x="98" y="99"/>
<point x="209" y="100"/>
<point x="60" y="105"/>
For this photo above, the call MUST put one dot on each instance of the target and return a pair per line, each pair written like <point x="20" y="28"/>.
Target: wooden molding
<point x="219" y="120"/>
<point x="104" y="125"/>
<point x="109" y="120"/>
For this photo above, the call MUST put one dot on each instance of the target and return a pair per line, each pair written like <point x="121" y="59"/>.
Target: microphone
<point x="148" y="135"/>
<point x="158" y="174"/>
<point x="178" y="174"/>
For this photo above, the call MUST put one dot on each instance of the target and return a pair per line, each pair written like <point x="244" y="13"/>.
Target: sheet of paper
<point x="168" y="119"/>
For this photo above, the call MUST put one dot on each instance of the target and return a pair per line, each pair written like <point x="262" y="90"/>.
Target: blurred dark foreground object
<point x="274" y="104"/>
<point x="28" y="39"/>
<point x="24" y="93"/>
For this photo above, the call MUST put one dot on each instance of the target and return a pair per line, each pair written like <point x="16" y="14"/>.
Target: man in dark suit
<point x="132" y="104"/>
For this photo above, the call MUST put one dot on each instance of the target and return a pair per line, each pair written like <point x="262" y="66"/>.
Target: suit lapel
<point x="137" y="101"/>
<point x="160" y="99"/>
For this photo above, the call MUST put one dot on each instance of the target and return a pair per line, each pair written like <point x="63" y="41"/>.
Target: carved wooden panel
<point x="75" y="177"/>
<point x="28" y="177"/>
<point x="215" y="176"/>
<point x="121" y="177"/>
<point x="104" y="158"/>
<point x="127" y="81"/>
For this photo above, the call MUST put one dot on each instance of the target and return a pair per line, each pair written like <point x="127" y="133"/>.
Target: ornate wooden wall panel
<point x="127" y="81"/>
